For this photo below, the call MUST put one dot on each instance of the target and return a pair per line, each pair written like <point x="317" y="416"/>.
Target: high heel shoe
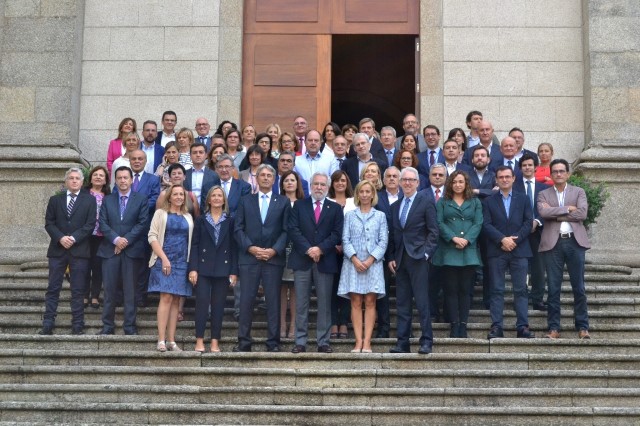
<point x="173" y="347"/>
<point x="161" y="347"/>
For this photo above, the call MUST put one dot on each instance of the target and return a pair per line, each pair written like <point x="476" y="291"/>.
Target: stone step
<point x="349" y="397"/>
<point x="569" y="344"/>
<point x="154" y="413"/>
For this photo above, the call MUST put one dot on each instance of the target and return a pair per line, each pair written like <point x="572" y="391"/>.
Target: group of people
<point x="345" y="212"/>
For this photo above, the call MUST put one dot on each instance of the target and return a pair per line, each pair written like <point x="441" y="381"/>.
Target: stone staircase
<point x="66" y="379"/>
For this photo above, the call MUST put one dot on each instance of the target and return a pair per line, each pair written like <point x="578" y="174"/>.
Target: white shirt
<point x="150" y="151"/>
<point x="167" y="138"/>
<point x="306" y="166"/>
<point x="451" y="167"/>
<point x="564" y="226"/>
<point x="393" y="198"/>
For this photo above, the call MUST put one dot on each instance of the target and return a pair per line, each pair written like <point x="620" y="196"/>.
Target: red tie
<point x="316" y="211"/>
<point x="437" y="194"/>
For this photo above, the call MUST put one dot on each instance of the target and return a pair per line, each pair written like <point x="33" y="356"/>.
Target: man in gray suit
<point x="564" y="241"/>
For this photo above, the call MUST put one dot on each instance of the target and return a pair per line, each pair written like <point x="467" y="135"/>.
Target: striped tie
<point x="72" y="201"/>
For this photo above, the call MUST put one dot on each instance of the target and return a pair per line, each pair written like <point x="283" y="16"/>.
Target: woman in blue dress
<point x="170" y="239"/>
<point x="364" y="243"/>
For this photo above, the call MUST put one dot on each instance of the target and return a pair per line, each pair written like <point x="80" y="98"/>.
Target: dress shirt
<point x="471" y="141"/>
<point x="226" y="186"/>
<point x="260" y="194"/>
<point x="532" y="196"/>
<point x="433" y="190"/>
<point x="507" y="202"/>
<point x="451" y="167"/>
<point x="197" y="176"/>
<point x="480" y="173"/>
<point x="564" y="226"/>
<point x="362" y="164"/>
<point x="167" y="138"/>
<point x="306" y="165"/>
<point x="505" y="162"/>
<point x="412" y="198"/>
<point x="393" y="197"/>
<point x="436" y="153"/>
<point x="150" y="151"/>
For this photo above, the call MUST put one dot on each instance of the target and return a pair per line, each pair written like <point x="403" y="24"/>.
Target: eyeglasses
<point x="201" y="125"/>
<point x="223" y="167"/>
<point x="558" y="172"/>
<point x="286" y="160"/>
<point x="300" y="123"/>
<point x="409" y="180"/>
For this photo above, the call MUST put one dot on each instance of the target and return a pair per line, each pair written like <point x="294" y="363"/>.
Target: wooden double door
<point x="288" y="49"/>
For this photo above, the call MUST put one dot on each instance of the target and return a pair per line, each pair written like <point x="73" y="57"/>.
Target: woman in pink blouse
<point x="116" y="149"/>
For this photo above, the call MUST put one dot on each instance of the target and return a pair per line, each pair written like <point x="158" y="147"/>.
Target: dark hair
<point x="106" y="188"/>
<point x="348" y="192"/>
<point x="255" y="148"/>
<point x="415" y="138"/>
<point x="470" y="116"/>
<point x="431" y="126"/>
<point x="449" y="140"/>
<point x="197" y="145"/>
<point x="349" y="126"/>
<point x="501" y="168"/>
<point x="452" y="134"/>
<point x="219" y="129"/>
<point x="526" y="156"/>
<point x="176" y="166"/>
<point x="212" y="161"/>
<point x="121" y="168"/>
<point x="516" y="129"/>
<point x="299" y="190"/>
<point x="164" y="114"/>
<point x="559" y="161"/>
<point x="121" y="125"/>
<point x="150" y="122"/>
<point x="414" y="159"/>
<point x="264" y="135"/>
<point x="236" y="131"/>
<point x="334" y="126"/>
<point x="477" y="147"/>
<point x="448" y="186"/>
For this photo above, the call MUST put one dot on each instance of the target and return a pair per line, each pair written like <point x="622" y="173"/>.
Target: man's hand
<point x="314" y="253"/>
<point x="509" y="243"/>
<point x="392" y="266"/>
<point x="66" y="242"/>
<point x="121" y="243"/>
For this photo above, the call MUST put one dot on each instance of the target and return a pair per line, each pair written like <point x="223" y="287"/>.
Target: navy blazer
<point x="208" y="258"/>
<point x="250" y="231"/>
<point x="209" y="180"/>
<point x="423" y="161"/>
<point x="158" y="153"/>
<point x="304" y="233"/>
<point x="351" y="166"/>
<point x="276" y="185"/>
<point x="132" y="226"/>
<point x="497" y="225"/>
<point x="150" y="186"/>
<point x="519" y="186"/>
<point x="420" y="233"/>
<point x="486" y="186"/>
<point x="79" y="225"/>
<point x="462" y="167"/>
<point x="495" y="158"/>
<point x="383" y="203"/>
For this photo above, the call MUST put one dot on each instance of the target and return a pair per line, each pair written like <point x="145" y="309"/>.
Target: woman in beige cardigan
<point x="170" y="238"/>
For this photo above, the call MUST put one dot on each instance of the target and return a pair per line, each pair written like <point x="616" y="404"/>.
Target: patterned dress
<point x="175" y="245"/>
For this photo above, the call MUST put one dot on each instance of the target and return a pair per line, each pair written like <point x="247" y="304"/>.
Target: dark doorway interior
<point x="373" y="76"/>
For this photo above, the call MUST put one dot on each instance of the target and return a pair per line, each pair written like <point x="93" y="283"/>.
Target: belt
<point x="566" y="234"/>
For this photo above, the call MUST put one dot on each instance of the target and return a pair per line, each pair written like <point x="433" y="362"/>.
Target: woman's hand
<point x="460" y="242"/>
<point x="193" y="278"/>
<point x="358" y="264"/>
<point x="166" y="267"/>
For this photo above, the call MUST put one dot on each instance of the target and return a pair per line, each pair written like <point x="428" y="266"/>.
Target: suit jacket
<point x="462" y="167"/>
<point x="150" y="186"/>
<point x="376" y="150"/>
<point x="238" y="189"/>
<point x="420" y="233"/>
<point x="496" y="225"/>
<point x="132" y="226"/>
<point x="383" y="203"/>
<point x="555" y="214"/>
<point x="209" y="180"/>
<point x="208" y="258"/>
<point x="207" y="141"/>
<point x="519" y="186"/>
<point x="276" y="185"/>
<point x="304" y="233"/>
<point x="486" y="186"/>
<point x="351" y="166"/>
<point x="423" y="161"/>
<point x="250" y="231"/>
<point x="496" y="158"/>
<point x="79" y="225"/>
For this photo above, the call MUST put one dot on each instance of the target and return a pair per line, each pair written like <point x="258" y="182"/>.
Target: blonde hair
<point x="225" y="204"/>
<point x="166" y="204"/>
<point x="378" y="185"/>
<point x="189" y="134"/>
<point x="356" y="197"/>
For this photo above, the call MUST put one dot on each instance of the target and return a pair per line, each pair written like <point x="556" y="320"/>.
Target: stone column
<point x="40" y="46"/>
<point x="612" y="106"/>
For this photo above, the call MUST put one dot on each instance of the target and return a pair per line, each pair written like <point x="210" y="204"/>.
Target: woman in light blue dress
<point x="364" y="242"/>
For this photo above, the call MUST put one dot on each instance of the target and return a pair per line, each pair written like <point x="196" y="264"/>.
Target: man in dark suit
<point x="234" y="188"/>
<point x="413" y="238"/>
<point x="315" y="228"/>
<point x="528" y="185"/>
<point x="390" y="194"/>
<point x="507" y="225"/>
<point x="564" y="241"/>
<point x="169" y="122"/>
<point x="368" y="127"/>
<point x="517" y="134"/>
<point x="149" y="185"/>
<point x="154" y="151"/>
<point x="482" y="180"/>
<point x="261" y="233"/>
<point x="123" y="220"/>
<point x="509" y="149"/>
<point x="200" y="176"/>
<point x="451" y="153"/>
<point x="69" y="221"/>
<point x="485" y="132"/>
<point x="286" y="162"/>
<point x="202" y="132"/>
<point x="352" y="166"/>
<point x="433" y="154"/>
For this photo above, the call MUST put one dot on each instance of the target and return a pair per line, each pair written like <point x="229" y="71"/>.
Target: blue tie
<point x="123" y="205"/>
<point x="390" y="157"/>
<point x="264" y="208"/>
<point x="405" y="210"/>
<point x="529" y="193"/>
<point x="510" y="164"/>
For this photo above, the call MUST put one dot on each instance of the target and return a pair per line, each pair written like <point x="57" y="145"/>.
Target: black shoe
<point x="425" y="349"/>
<point x="95" y="305"/>
<point x="462" y="330"/>
<point x="298" y="349"/>
<point x="131" y="333"/>
<point x="325" y="349"/>
<point x="539" y="306"/>
<point x="237" y="348"/>
<point x="273" y="349"/>
<point x="46" y="331"/>
<point x="495" y="333"/>
<point x="105" y="332"/>
<point x="77" y="331"/>
<point x="399" y="350"/>
<point x="525" y="333"/>
<point x="455" y="328"/>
